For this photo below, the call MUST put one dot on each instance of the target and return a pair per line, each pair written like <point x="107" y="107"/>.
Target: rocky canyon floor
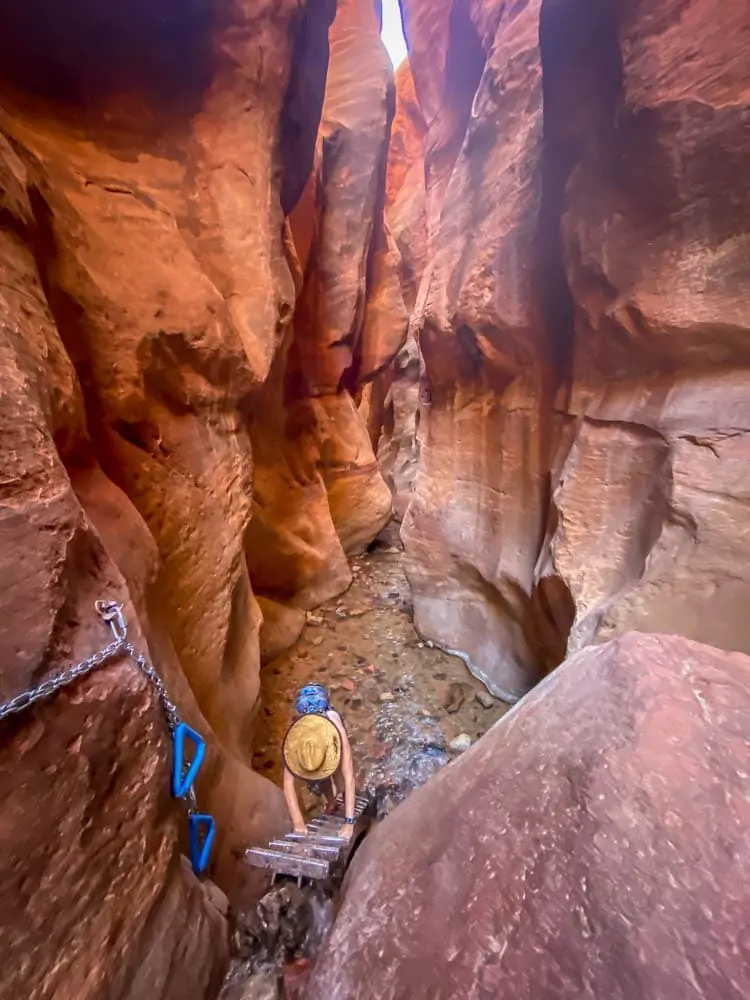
<point x="408" y="706"/>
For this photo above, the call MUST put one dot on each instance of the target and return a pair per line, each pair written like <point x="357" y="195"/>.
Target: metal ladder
<point x="312" y="855"/>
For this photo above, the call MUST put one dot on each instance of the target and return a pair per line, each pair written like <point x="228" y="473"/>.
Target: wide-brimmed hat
<point x="312" y="748"/>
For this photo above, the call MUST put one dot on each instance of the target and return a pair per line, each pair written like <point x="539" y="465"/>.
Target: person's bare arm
<point x="347" y="771"/>
<point x="292" y="803"/>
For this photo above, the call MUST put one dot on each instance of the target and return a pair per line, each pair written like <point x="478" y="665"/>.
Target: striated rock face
<point x="473" y="529"/>
<point x="592" y="843"/>
<point x="96" y="902"/>
<point x="318" y="493"/>
<point x="168" y="439"/>
<point x="657" y="250"/>
<point x="582" y="329"/>
<point x="351" y="319"/>
<point x="393" y="404"/>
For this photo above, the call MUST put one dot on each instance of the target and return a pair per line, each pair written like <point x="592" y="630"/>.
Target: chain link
<point x="170" y="709"/>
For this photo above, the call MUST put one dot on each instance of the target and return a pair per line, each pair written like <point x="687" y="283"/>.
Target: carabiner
<point x="112" y="614"/>
<point x="200" y="852"/>
<point x="181" y="784"/>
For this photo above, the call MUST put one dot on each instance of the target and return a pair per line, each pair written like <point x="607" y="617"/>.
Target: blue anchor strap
<point x="182" y="784"/>
<point x="183" y="774"/>
<point x="201" y="826"/>
<point x="202" y="830"/>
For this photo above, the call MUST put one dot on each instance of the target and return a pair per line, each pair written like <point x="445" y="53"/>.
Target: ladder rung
<point x="313" y="850"/>
<point x="289" y="864"/>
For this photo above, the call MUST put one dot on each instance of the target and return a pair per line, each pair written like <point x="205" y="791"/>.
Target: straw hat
<point x="312" y="748"/>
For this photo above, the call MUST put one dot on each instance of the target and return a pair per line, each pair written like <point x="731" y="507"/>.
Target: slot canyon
<point x="431" y="384"/>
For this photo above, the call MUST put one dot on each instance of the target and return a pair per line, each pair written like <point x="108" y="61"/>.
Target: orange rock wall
<point x="318" y="492"/>
<point x="167" y="441"/>
<point x="393" y="404"/>
<point x="582" y="327"/>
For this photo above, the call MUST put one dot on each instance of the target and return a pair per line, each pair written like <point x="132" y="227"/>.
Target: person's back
<point x="312" y="700"/>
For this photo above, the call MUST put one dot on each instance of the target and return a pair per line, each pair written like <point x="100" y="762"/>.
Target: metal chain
<point x="112" y="614"/>
<point x="170" y="709"/>
<point x="52" y="684"/>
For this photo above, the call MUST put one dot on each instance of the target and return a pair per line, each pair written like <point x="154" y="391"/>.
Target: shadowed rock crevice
<point x="303" y="101"/>
<point x="581" y="88"/>
<point x="464" y="65"/>
<point x="156" y="61"/>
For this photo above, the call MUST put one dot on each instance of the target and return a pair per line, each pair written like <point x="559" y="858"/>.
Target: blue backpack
<point x="313" y="699"/>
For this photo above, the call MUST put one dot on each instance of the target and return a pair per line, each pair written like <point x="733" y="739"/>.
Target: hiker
<point x="316" y="749"/>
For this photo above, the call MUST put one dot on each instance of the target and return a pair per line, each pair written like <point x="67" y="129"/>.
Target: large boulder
<point x="592" y="844"/>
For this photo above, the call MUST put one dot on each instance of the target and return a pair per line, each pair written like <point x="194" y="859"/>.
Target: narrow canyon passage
<point x="409" y="709"/>
<point x="428" y="384"/>
<point x="408" y="706"/>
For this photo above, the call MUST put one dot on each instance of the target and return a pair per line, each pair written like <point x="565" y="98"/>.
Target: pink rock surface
<point x="593" y="843"/>
<point x="582" y="328"/>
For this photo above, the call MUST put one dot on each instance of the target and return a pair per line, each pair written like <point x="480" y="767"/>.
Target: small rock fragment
<point x="455" y="697"/>
<point x="485" y="699"/>
<point x="296" y="975"/>
<point x="387" y="696"/>
<point x="461" y="742"/>
<point x="315" y="620"/>
<point x="317" y="640"/>
<point x="349" y="684"/>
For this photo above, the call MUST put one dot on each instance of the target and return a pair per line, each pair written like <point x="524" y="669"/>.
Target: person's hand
<point x="346" y="831"/>
<point x="301" y="828"/>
